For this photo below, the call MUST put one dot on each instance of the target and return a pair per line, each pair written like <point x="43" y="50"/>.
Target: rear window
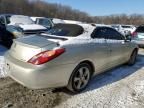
<point x="69" y="30"/>
<point x="140" y="29"/>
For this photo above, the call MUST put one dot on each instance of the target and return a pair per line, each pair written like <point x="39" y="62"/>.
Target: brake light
<point x="134" y="34"/>
<point x="46" y="56"/>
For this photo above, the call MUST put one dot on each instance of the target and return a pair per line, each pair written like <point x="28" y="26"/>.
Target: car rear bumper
<point x="37" y="77"/>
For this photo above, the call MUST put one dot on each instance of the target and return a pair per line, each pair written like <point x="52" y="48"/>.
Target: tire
<point x="80" y="78"/>
<point x="133" y="58"/>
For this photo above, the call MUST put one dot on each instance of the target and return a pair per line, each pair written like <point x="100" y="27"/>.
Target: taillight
<point x="134" y="34"/>
<point x="46" y="56"/>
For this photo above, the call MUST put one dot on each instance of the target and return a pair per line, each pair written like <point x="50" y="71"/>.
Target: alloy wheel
<point x="81" y="78"/>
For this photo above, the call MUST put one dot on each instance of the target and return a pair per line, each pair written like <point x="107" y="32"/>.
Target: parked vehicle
<point x="6" y="37"/>
<point x="138" y="36"/>
<point x="46" y="22"/>
<point x="57" y="21"/>
<point x="67" y="55"/>
<point x="24" y="23"/>
<point x="103" y="25"/>
<point x="72" y="22"/>
<point x="124" y="29"/>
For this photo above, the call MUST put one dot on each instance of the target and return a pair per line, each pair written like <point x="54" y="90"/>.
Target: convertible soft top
<point x="74" y="30"/>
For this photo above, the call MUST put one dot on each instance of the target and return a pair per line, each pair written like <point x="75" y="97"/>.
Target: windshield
<point x="18" y="19"/>
<point x="45" y="22"/>
<point x="70" y="30"/>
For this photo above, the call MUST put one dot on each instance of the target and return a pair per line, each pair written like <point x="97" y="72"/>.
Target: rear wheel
<point x="80" y="78"/>
<point x="133" y="58"/>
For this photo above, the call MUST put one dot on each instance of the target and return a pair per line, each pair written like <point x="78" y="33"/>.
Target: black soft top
<point x="74" y="29"/>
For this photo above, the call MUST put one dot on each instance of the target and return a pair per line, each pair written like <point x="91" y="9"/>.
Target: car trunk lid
<point x="25" y="48"/>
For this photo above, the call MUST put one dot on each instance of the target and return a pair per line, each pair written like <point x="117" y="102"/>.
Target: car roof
<point x="121" y="25"/>
<point x="105" y="26"/>
<point x="38" y="17"/>
<point x="87" y="27"/>
<point x="34" y="18"/>
<point x="72" y="22"/>
<point x="57" y="21"/>
<point x="12" y="15"/>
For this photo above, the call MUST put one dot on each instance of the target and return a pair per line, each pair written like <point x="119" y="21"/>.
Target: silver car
<point x="138" y="36"/>
<point x="68" y="55"/>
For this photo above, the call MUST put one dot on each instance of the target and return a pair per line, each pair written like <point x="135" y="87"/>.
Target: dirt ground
<point x="115" y="88"/>
<point x="16" y="96"/>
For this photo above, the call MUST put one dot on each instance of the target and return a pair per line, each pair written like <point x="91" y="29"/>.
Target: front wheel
<point x="80" y="78"/>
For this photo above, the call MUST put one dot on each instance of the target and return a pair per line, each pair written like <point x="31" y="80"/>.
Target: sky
<point x="104" y="7"/>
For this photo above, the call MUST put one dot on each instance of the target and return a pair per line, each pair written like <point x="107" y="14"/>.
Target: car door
<point x="118" y="47"/>
<point x="101" y="50"/>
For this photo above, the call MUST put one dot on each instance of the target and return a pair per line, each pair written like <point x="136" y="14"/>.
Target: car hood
<point x="32" y="27"/>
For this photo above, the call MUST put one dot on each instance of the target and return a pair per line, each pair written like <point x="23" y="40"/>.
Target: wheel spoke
<point x="81" y="78"/>
<point x="85" y="81"/>
<point x="81" y="72"/>
<point x="76" y="79"/>
<point x="86" y="74"/>
<point x="79" y="84"/>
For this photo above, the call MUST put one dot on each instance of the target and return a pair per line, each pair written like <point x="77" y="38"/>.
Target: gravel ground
<point x="16" y="96"/>
<point x="122" y="87"/>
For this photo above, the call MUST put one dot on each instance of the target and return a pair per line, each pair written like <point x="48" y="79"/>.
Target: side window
<point x="113" y="34"/>
<point x="99" y="33"/>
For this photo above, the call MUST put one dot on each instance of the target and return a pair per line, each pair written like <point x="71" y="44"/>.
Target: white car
<point x="25" y="23"/>
<point x="46" y="22"/>
<point x="124" y="29"/>
<point x="102" y="25"/>
<point x="57" y="21"/>
<point x="72" y="22"/>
